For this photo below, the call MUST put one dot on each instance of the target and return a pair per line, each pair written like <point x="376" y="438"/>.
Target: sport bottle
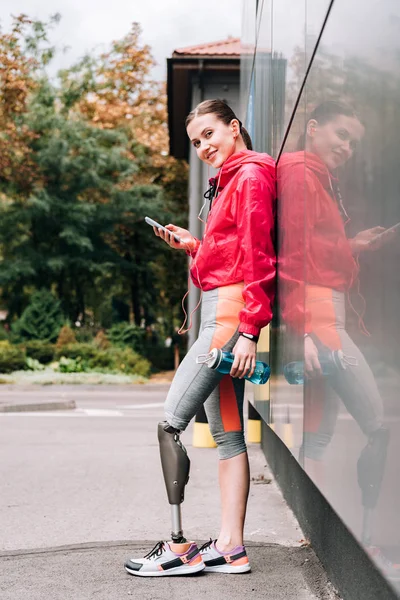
<point x="222" y="361"/>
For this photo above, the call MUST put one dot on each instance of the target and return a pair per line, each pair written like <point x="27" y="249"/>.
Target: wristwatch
<point x="249" y="336"/>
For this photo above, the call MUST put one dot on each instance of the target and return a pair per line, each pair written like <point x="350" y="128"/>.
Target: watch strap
<point x="249" y="336"/>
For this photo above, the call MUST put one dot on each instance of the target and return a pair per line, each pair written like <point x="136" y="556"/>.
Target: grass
<point x="49" y="377"/>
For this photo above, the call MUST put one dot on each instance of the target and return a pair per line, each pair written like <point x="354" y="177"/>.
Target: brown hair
<point x="223" y="112"/>
<point x="324" y="113"/>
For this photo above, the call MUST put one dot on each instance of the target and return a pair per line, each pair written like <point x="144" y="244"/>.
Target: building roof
<point x="216" y="59"/>
<point x="229" y="48"/>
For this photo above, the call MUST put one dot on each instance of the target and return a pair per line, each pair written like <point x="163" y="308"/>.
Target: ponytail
<point x="246" y="137"/>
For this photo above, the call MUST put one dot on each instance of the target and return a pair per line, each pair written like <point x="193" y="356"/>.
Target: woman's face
<point x="214" y="141"/>
<point x="334" y="142"/>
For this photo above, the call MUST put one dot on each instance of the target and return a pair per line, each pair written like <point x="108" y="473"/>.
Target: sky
<point x="166" y="24"/>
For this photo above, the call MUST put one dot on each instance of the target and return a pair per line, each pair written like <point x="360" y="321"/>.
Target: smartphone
<point x="394" y="228"/>
<point x="158" y="226"/>
<point x="381" y="236"/>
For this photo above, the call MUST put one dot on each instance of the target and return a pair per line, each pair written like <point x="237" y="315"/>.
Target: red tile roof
<point x="229" y="47"/>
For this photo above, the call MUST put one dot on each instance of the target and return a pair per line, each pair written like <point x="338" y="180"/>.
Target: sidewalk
<point x="284" y="567"/>
<point x="34" y="401"/>
<point x="94" y="571"/>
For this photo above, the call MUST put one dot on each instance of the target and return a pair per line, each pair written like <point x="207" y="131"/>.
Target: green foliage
<point x="83" y="352"/>
<point x="42" y="318"/>
<point x="40" y="351"/>
<point x="123" y="360"/>
<point x="126" y="334"/>
<point x="101" y="341"/>
<point x="12" y="358"/>
<point x="72" y="365"/>
<point x="85" y="334"/>
<point x="78" y="358"/>
<point x="65" y="337"/>
<point x="34" y="365"/>
<point x="73" y="358"/>
<point x="3" y="334"/>
<point x="78" y="178"/>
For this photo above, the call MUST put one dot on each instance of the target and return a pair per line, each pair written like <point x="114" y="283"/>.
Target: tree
<point x="94" y="163"/>
<point x="115" y="92"/>
<point x="16" y="84"/>
<point x="42" y="318"/>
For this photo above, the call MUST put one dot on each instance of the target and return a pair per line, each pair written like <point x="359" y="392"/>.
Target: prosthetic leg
<point x="370" y="470"/>
<point x="176" y="466"/>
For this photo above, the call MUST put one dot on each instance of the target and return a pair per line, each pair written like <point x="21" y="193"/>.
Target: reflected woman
<point x="318" y="267"/>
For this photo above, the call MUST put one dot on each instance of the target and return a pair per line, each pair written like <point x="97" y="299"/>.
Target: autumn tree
<point x="115" y="91"/>
<point x="95" y="160"/>
<point x="16" y="84"/>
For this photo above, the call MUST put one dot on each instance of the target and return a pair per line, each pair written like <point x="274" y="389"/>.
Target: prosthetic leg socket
<point x="176" y="466"/>
<point x="371" y="466"/>
<point x="370" y="470"/>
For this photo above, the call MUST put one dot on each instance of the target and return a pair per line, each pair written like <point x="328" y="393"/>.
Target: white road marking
<point x="92" y="412"/>
<point x="102" y="412"/>
<point x="148" y="405"/>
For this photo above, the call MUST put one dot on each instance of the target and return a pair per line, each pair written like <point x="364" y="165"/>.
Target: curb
<point x="34" y="407"/>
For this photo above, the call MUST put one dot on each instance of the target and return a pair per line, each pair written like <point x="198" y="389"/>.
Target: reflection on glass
<point x="319" y="265"/>
<point x="338" y="267"/>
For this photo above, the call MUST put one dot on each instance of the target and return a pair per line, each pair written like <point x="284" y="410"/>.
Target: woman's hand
<point x="312" y="367"/>
<point x="371" y="239"/>
<point x="245" y="358"/>
<point x="188" y="242"/>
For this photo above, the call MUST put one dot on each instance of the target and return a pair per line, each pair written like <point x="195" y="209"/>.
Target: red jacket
<point x="237" y="244"/>
<point x="313" y="246"/>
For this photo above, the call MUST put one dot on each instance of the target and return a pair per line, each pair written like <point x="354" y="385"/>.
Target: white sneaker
<point x="234" y="561"/>
<point x="167" y="558"/>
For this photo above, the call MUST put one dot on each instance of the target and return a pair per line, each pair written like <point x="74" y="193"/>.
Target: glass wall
<point x="334" y="114"/>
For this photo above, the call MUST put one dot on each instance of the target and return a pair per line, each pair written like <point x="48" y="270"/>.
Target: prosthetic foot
<point x="176" y="466"/>
<point x="370" y="470"/>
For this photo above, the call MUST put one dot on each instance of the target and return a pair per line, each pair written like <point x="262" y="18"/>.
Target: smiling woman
<point x="234" y="266"/>
<point x="319" y="268"/>
<point x="208" y="126"/>
<point x="332" y="133"/>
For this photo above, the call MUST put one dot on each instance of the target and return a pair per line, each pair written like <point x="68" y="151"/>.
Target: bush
<point x="71" y="365"/>
<point x="65" y="337"/>
<point x="82" y="351"/>
<point x="41" y="320"/>
<point x="40" y="351"/>
<point x="3" y="333"/>
<point x="101" y="341"/>
<point x="127" y="335"/>
<point x="85" y="333"/>
<point x="12" y="358"/>
<point x="34" y="365"/>
<point x="122" y="360"/>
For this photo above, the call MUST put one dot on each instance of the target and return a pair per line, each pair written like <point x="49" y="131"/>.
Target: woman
<point x="234" y="266"/>
<point x="318" y="267"/>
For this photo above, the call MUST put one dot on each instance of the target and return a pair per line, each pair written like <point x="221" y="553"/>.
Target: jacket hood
<point x="309" y="160"/>
<point x="232" y="165"/>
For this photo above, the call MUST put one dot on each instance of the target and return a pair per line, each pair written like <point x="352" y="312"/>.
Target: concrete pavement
<point x="78" y="482"/>
<point x="32" y="398"/>
<point x="86" y="572"/>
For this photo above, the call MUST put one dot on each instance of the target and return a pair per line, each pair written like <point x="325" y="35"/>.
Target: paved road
<point x="92" y="476"/>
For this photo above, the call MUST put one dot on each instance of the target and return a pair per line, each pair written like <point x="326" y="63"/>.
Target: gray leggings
<point x="355" y="386"/>
<point x="195" y="385"/>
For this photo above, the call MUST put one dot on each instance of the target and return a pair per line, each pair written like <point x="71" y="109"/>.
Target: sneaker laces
<point x="206" y="546"/>
<point x="158" y="549"/>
